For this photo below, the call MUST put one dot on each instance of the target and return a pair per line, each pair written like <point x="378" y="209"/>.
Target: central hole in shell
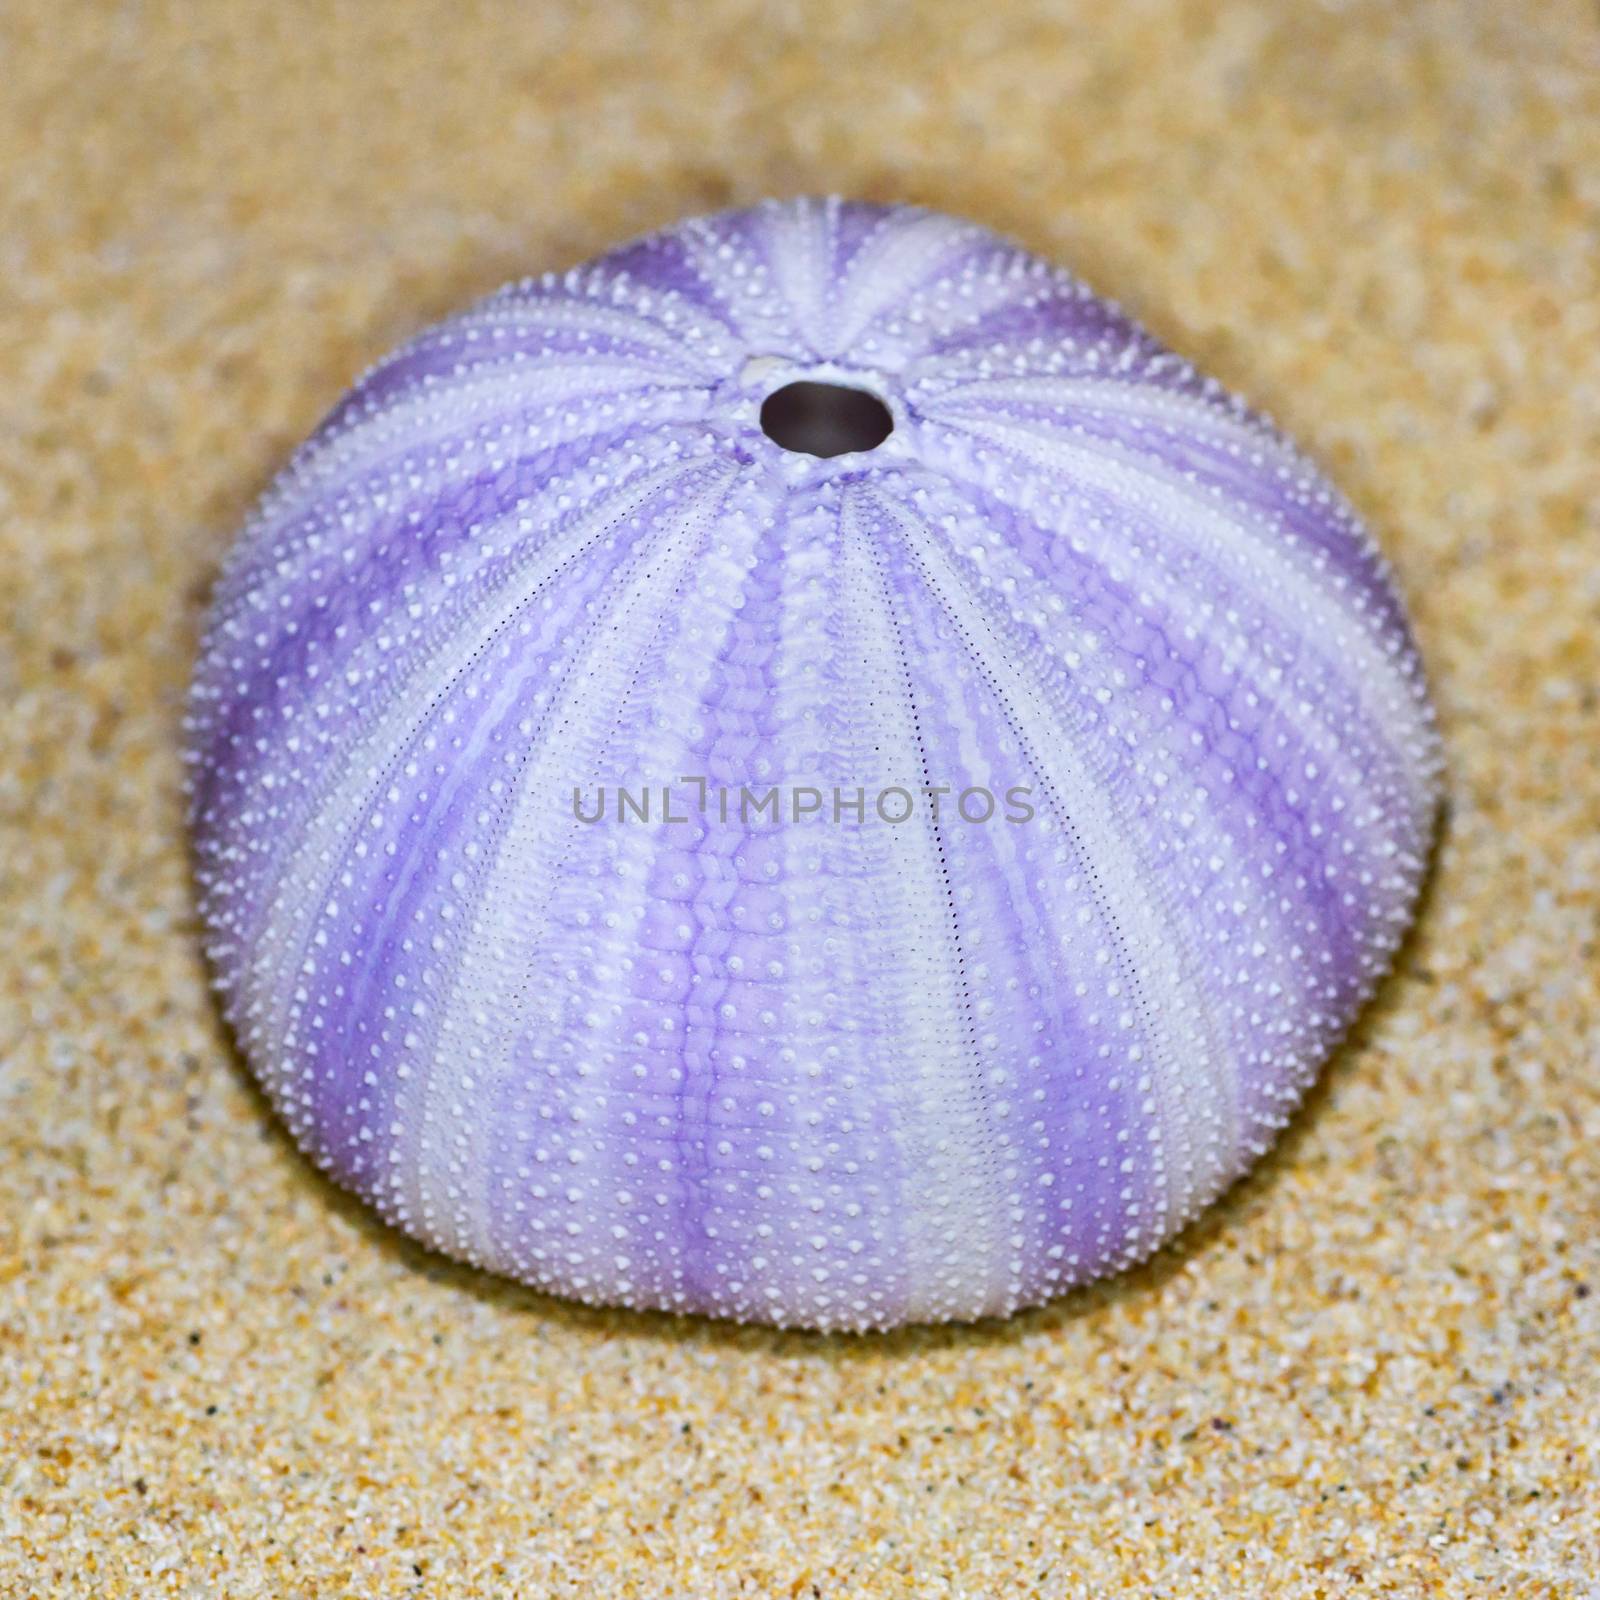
<point x="825" y="419"/>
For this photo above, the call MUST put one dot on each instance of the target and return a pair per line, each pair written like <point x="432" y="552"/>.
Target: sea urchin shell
<point x="590" y="750"/>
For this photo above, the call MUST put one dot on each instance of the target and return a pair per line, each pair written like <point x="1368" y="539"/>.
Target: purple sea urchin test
<point x="588" y="758"/>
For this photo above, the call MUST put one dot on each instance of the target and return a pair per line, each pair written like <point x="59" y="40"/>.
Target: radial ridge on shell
<point x="833" y="1071"/>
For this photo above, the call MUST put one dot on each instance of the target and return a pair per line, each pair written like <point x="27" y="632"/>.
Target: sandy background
<point x="1372" y="1371"/>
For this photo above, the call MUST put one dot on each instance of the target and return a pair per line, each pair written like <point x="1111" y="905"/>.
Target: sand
<point x="1370" y="1371"/>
